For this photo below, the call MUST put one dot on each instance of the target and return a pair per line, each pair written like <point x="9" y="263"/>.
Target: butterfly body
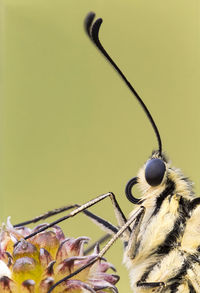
<point x="165" y="249"/>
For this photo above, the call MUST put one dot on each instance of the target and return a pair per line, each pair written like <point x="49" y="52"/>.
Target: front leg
<point x="150" y="285"/>
<point x="132" y="242"/>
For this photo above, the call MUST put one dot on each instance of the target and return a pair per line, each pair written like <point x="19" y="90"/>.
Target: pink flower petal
<point x="7" y="285"/>
<point x="97" y="249"/>
<point x="23" y="231"/>
<point x="101" y="285"/>
<point x="77" y="245"/>
<point x="67" y="266"/>
<point x="45" y="257"/>
<point x="62" y="252"/>
<point x="74" y="286"/>
<point x="104" y="266"/>
<point x="59" y="233"/>
<point x="50" y="269"/>
<point x="47" y="240"/>
<point x="46" y="284"/>
<point x="71" y="247"/>
<point x="24" y="248"/>
<point x="29" y="285"/>
<point x="112" y="279"/>
<point x="39" y="227"/>
<point x="24" y="264"/>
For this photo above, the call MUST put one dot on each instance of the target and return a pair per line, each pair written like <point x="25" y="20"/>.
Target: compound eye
<point x="154" y="172"/>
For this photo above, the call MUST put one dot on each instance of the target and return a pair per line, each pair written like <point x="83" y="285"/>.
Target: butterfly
<point x="162" y="235"/>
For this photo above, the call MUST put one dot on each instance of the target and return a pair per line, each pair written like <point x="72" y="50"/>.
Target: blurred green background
<point x="70" y="129"/>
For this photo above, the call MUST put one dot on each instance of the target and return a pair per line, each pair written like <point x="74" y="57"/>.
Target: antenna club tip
<point x="88" y="21"/>
<point x="90" y="15"/>
<point x="95" y="29"/>
<point x="98" y="22"/>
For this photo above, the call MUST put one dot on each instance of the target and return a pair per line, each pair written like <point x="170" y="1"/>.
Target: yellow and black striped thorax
<point x="165" y="248"/>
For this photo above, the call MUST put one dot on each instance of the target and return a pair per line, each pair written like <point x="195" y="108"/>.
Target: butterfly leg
<point x="132" y="242"/>
<point x="118" y="212"/>
<point x="149" y="285"/>
<point x="101" y="222"/>
<point x="108" y="227"/>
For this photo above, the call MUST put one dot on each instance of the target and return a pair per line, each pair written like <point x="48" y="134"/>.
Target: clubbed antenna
<point x="92" y="29"/>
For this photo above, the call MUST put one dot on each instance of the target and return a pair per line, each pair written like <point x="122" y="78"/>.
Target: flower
<point x="34" y="265"/>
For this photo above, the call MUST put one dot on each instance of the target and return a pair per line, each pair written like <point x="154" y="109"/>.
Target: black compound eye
<point x="154" y="172"/>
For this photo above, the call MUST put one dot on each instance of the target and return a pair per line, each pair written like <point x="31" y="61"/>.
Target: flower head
<point x="33" y="266"/>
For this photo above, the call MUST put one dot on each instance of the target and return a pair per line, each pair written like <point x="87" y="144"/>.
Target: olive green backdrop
<point x="70" y="129"/>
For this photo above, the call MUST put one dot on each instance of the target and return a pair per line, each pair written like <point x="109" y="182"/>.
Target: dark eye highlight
<point x="154" y="172"/>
